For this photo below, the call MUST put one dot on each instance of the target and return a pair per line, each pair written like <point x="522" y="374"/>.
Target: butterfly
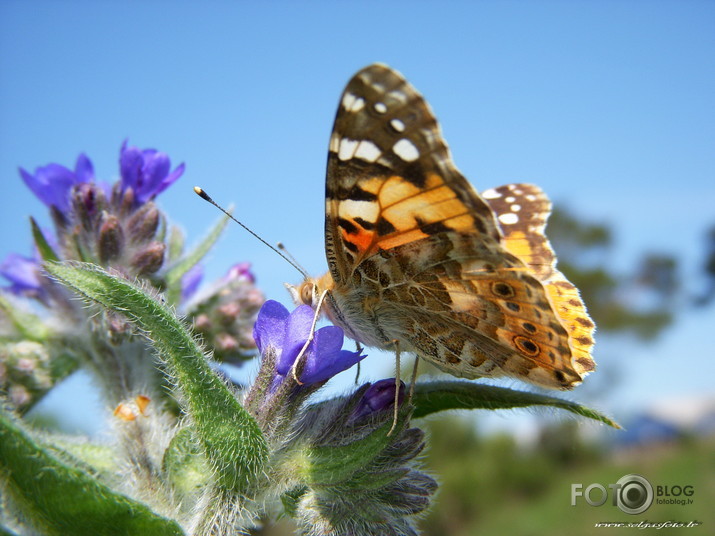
<point x="417" y="256"/>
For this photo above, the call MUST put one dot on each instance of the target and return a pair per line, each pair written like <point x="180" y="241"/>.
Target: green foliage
<point x="180" y="267"/>
<point x="491" y="485"/>
<point x="230" y="436"/>
<point x="61" y="499"/>
<point x="432" y="397"/>
<point x="29" y="326"/>
<point x="46" y="251"/>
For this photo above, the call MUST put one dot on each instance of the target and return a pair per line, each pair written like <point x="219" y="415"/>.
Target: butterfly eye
<point x="306" y="293"/>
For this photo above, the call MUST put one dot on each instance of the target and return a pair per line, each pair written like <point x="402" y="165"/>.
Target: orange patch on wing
<point x="397" y="239"/>
<point x="517" y="244"/>
<point x="571" y="312"/>
<point x="363" y="239"/>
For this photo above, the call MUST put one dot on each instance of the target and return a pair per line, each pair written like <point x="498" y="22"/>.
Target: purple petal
<point x="22" y="272"/>
<point x="241" y="270"/>
<point x="269" y="329"/>
<point x="296" y="333"/>
<point x="130" y="165"/>
<point x="378" y="397"/>
<point x="191" y="281"/>
<point x="170" y="179"/>
<point x="146" y="172"/>
<point x="32" y="183"/>
<point x="51" y="184"/>
<point x="328" y="360"/>
<point x="156" y="168"/>
<point x="83" y="169"/>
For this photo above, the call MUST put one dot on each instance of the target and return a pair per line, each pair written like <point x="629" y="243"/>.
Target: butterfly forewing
<point x="390" y="176"/>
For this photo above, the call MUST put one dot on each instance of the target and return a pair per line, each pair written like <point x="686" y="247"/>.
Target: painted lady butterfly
<point x="416" y="255"/>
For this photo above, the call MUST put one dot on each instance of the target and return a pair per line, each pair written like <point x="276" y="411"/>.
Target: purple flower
<point x="287" y="332"/>
<point x="380" y="396"/>
<point x="23" y="273"/>
<point x="146" y="172"/>
<point x="241" y="270"/>
<point x="191" y="281"/>
<point x="52" y="183"/>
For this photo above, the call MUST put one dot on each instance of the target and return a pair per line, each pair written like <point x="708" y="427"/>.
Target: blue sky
<point x="608" y="106"/>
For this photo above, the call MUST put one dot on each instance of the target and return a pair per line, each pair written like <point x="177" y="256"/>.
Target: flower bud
<point x="124" y="199"/>
<point x="202" y="322"/>
<point x="19" y="395"/>
<point x="142" y="225"/>
<point x="226" y="343"/>
<point x="88" y="202"/>
<point x="380" y="396"/>
<point x="149" y="259"/>
<point x="228" y="312"/>
<point x="111" y="239"/>
<point x="353" y="461"/>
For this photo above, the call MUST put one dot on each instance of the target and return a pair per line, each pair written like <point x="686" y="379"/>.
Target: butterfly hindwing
<point x="521" y="211"/>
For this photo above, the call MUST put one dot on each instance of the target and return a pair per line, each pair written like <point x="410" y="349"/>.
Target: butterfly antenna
<point x="206" y="197"/>
<point x="282" y="247"/>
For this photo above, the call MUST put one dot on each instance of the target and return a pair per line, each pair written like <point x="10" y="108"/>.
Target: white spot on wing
<point x="380" y="107"/>
<point x="368" y="151"/>
<point x="398" y="125"/>
<point x="406" y="150"/>
<point x="399" y="96"/>
<point x="347" y="149"/>
<point x="367" y="210"/>
<point x="491" y="193"/>
<point x="334" y="142"/>
<point x="508" y="219"/>
<point x="348" y="100"/>
<point x="352" y="103"/>
<point x="515" y="208"/>
<point x="510" y="199"/>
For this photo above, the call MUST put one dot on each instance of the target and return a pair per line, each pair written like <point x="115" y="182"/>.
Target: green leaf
<point x="175" y="243"/>
<point x="232" y="439"/>
<point x="43" y="247"/>
<point x="178" y="270"/>
<point x="185" y="464"/>
<point x="290" y="500"/>
<point x="64" y="500"/>
<point x="84" y="454"/>
<point x="332" y="465"/>
<point x="432" y="397"/>
<point x="29" y="326"/>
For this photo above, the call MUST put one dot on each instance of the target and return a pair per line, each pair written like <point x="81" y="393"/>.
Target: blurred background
<point x="608" y="106"/>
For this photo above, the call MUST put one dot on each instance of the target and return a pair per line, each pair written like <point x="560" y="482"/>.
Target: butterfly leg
<point x="397" y="386"/>
<point x="297" y="363"/>
<point x="358" y="349"/>
<point x="414" y="379"/>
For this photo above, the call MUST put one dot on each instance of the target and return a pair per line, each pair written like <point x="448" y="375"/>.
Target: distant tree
<point x="708" y="293"/>
<point x="638" y="301"/>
